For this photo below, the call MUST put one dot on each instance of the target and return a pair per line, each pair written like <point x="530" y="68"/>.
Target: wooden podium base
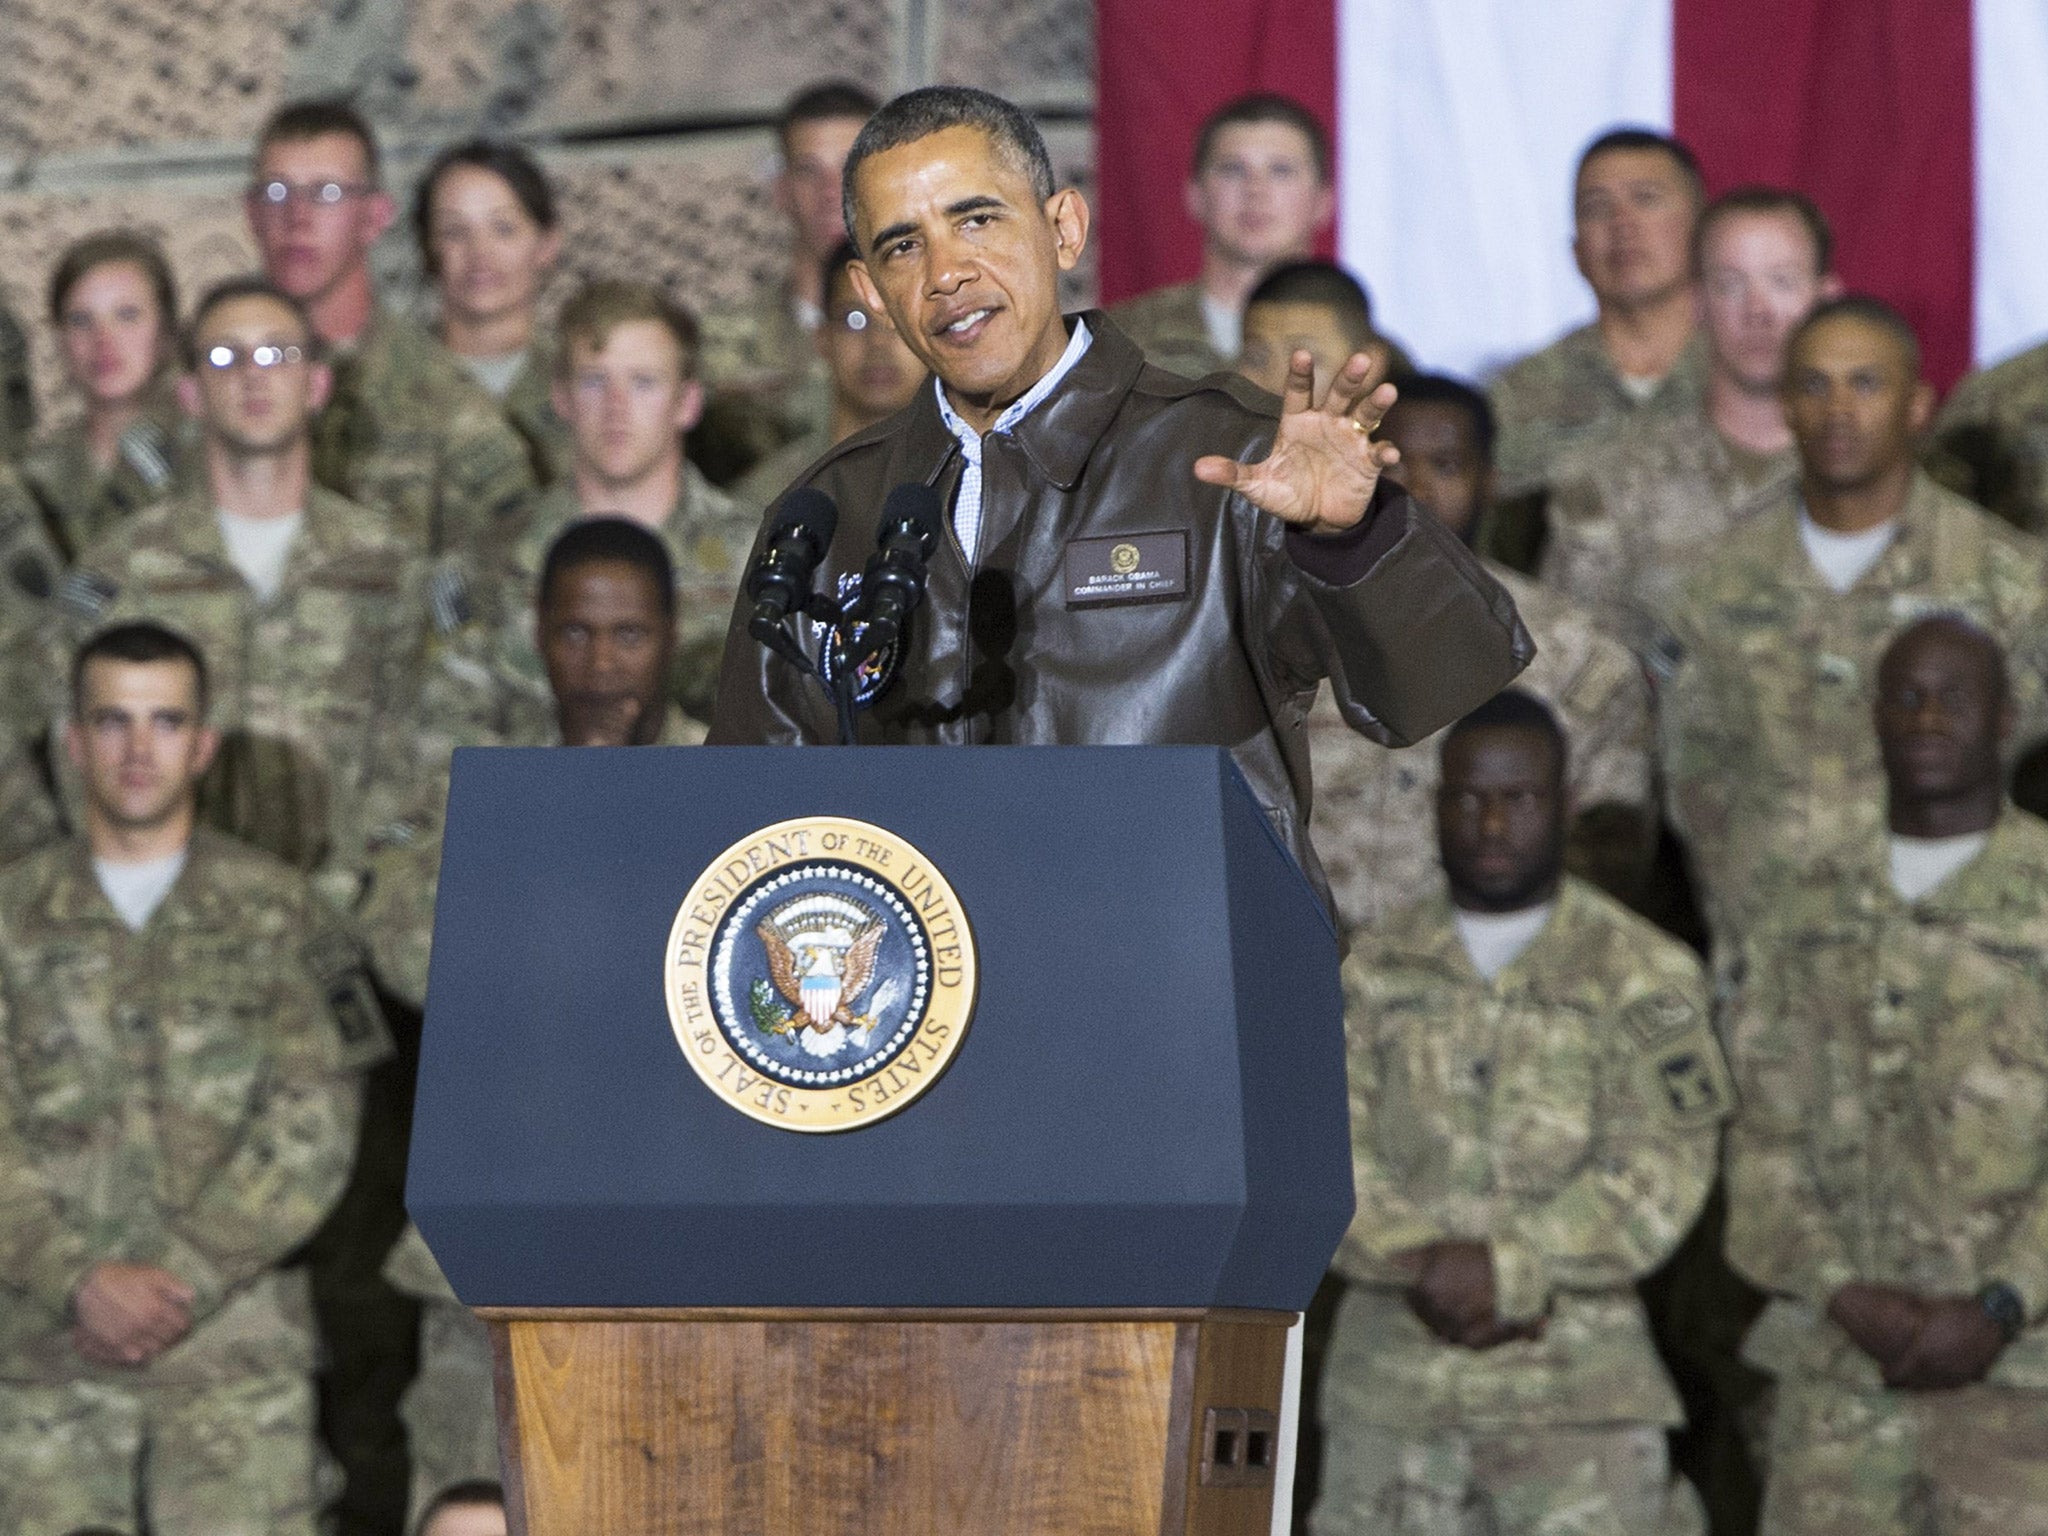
<point x="642" y="1422"/>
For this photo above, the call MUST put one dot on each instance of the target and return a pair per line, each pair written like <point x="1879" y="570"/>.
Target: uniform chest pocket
<point x="1545" y="1101"/>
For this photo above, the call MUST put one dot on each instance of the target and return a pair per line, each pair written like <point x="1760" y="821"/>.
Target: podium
<point x="1046" y="1293"/>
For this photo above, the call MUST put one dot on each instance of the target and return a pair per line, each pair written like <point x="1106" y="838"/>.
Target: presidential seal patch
<point x="820" y="974"/>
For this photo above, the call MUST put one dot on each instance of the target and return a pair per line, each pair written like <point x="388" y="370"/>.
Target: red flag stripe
<point x="1864" y="105"/>
<point x="1163" y="66"/>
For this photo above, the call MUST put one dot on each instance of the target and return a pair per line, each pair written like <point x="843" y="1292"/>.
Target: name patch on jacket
<point x="1127" y="568"/>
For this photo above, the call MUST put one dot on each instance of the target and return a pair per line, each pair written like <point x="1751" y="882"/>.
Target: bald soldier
<point x="182" y="1026"/>
<point x="405" y="431"/>
<point x="1372" y="820"/>
<point x="1260" y="190"/>
<point x="1094" y="507"/>
<point x="1630" y="516"/>
<point x="1888" y="1175"/>
<point x="1535" y="1102"/>
<point x="1634" y="201"/>
<point x="607" y="627"/>
<point x="1771" y="654"/>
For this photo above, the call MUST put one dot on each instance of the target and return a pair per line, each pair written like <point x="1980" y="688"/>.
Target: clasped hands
<point x="128" y="1314"/>
<point x="1325" y="462"/>
<point x="1922" y="1343"/>
<point x="1451" y="1290"/>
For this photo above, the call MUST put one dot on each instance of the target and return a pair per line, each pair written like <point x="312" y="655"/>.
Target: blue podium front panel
<point x="1148" y="1108"/>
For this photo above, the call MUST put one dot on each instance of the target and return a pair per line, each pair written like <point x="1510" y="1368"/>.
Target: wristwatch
<point x="2004" y="1306"/>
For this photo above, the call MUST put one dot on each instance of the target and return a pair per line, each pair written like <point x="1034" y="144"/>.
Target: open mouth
<point x="968" y="326"/>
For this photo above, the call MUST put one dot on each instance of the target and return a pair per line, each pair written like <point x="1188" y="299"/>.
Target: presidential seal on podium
<point x="820" y="974"/>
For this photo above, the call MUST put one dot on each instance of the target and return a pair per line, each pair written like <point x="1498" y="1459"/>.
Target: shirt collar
<point x="1024" y="404"/>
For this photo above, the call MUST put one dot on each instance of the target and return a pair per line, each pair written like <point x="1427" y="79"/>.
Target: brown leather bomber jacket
<point x="1212" y="625"/>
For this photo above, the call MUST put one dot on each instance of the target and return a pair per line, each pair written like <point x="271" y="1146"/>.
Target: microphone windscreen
<point x="915" y="505"/>
<point x="807" y="508"/>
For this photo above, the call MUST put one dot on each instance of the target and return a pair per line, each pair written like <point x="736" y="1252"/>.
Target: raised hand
<point x="1881" y="1320"/>
<point x="1325" y="462"/>
<point x="1957" y="1344"/>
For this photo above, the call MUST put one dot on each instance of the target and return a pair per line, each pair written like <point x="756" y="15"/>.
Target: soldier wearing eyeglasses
<point x="404" y="429"/>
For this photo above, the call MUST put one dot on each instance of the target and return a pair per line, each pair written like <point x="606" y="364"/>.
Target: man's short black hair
<point x="1646" y="138"/>
<point x="823" y="102"/>
<point x="511" y="163"/>
<point x="250" y="286"/>
<point x="477" y="1492"/>
<point x="1769" y="200"/>
<point x="1264" y="107"/>
<point x="297" y="121"/>
<point x="933" y="109"/>
<point x="1871" y="311"/>
<point x="1442" y="389"/>
<point x="1516" y="709"/>
<point x="610" y="541"/>
<point x="1324" y="284"/>
<point x="143" y="642"/>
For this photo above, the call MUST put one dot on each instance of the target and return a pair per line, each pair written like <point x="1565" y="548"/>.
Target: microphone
<point x="893" y="582"/>
<point x="780" y="580"/>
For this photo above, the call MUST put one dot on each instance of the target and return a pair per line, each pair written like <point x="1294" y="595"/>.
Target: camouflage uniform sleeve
<point x="1607" y="707"/>
<point x="486" y="482"/>
<point x="1664" y="1095"/>
<point x="293" y="1159"/>
<point x="1965" y="450"/>
<point x="1387" y="1221"/>
<point x="1778" y="1233"/>
<point x="41" y="1255"/>
<point x="17" y="389"/>
<point x="1582" y="557"/>
<point x="1703" y="736"/>
<point x="30" y="564"/>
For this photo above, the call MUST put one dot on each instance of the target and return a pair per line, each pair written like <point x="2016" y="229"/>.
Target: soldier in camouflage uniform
<point x="320" y="662"/>
<point x="1635" y="200"/>
<point x="873" y="376"/>
<point x="630" y="462"/>
<point x="1260" y="189"/>
<point x="1315" y="307"/>
<point x="768" y="383"/>
<point x="1768" y="664"/>
<point x="115" y="308"/>
<point x="489" y="234"/>
<point x="1629" y="516"/>
<point x="405" y="430"/>
<point x="1990" y="442"/>
<point x="1372" y="818"/>
<point x="607" y="624"/>
<point x="181" y="1031"/>
<point x="1888" y="1174"/>
<point x="17" y="387"/>
<point x="1535" y="1099"/>
<point x="31" y="565"/>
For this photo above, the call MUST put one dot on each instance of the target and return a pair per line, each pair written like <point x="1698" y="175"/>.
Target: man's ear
<point x="690" y="405"/>
<point x="560" y="396"/>
<point x="205" y="749"/>
<point x="379" y="209"/>
<point x="188" y="395"/>
<point x="1195" y="201"/>
<point x="1923" y="406"/>
<point x="864" y="285"/>
<point x="319" y="387"/>
<point x="1068" y="212"/>
<point x="74" y="743"/>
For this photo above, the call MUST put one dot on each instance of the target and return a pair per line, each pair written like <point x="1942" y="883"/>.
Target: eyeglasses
<point x="223" y="357"/>
<point x="324" y="194"/>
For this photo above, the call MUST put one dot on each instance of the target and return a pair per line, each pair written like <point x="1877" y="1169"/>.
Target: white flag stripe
<point x="2010" y="43"/>
<point x="1460" y="123"/>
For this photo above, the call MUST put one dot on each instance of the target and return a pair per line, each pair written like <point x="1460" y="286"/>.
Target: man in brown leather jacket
<point x="1129" y="556"/>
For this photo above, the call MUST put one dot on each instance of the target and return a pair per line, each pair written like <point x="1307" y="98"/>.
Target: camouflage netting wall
<point x="653" y="114"/>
